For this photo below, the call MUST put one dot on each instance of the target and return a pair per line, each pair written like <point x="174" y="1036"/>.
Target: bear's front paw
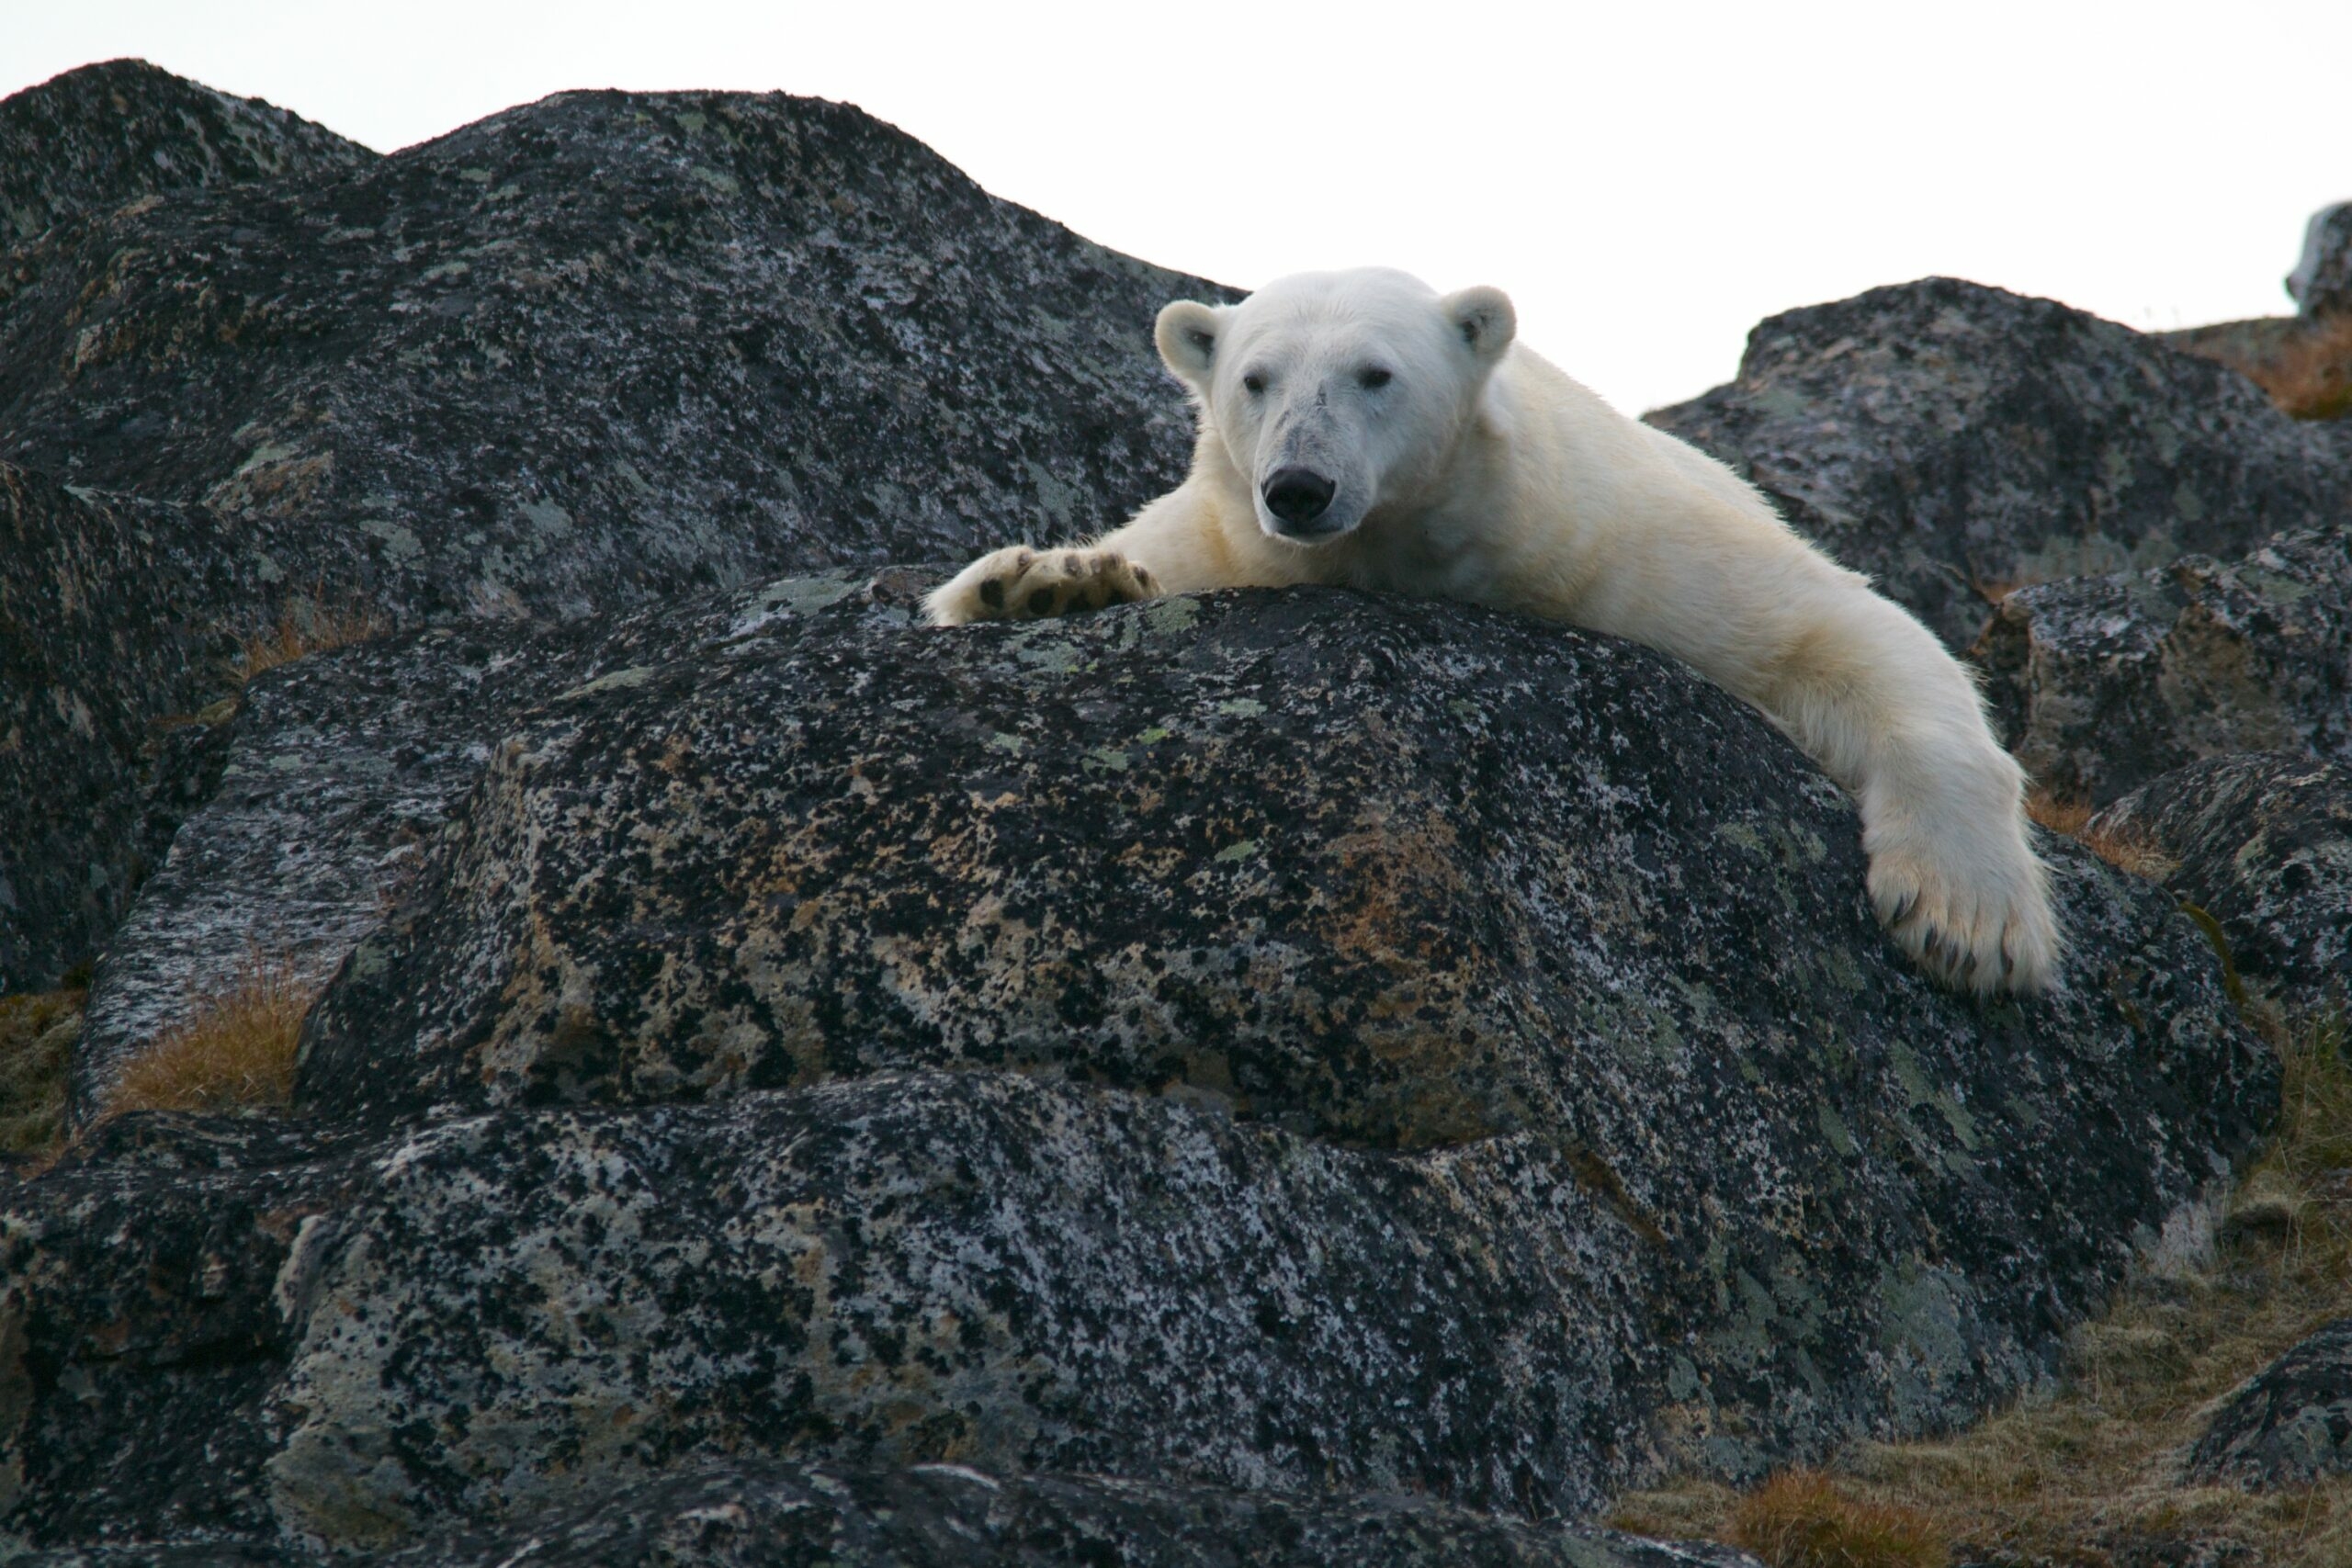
<point x="1023" y="584"/>
<point x="1975" y="917"/>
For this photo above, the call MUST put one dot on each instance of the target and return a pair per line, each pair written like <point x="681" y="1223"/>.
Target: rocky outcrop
<point x="1957" y="442"/>
<point x="106" y="135"/>
<point x="827" y="1038"/>
<point x="2289" y="1425"/>
<point x="119" y="623"/>
<point x="2104" y="684"/>
<point x="953" y="1516"/>
<point x="2262" y="842"/>
<point x="2322" y="281"/>
<point x="599" y="349"/>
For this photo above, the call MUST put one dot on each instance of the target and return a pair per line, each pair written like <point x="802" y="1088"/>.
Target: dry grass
<point x="2088" y="1476"/>
<point x="306" y="627"/>
<point x="37" y="1035"/>
<point x="236" y="1052"/>
<point x="2128" y="852"/>
<point x="1800" y="1518"/>
<point x="2307" y="371"/>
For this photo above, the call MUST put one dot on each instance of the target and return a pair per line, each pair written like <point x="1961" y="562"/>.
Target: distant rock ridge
<point x="104" y="135"/>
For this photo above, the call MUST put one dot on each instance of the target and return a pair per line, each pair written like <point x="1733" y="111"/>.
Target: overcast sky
<point x="1646" y="180"/>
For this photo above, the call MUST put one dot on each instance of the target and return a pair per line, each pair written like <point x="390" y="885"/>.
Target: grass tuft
<point x="304" y="627"/>
<point x="1800" y="1518"/>
<point x="235" y="1053"/>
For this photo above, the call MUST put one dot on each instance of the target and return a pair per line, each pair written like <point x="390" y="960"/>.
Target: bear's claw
<point x="1974" y="926"/>
<point x="1023" y="584"/>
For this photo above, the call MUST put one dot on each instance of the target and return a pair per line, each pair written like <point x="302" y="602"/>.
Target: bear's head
<point x="1338" y="396"/>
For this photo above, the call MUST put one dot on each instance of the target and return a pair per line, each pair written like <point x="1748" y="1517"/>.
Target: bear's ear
<point x="1485" y="319"/>
<point x="1186" y="333"/>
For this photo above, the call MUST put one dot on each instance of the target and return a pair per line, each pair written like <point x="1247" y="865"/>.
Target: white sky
<point x="1648" y="180"/>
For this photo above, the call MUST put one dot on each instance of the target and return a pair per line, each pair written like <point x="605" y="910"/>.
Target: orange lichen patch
<point x="304" y="627"/>
<point x="235" y="1052"/>
<point x="1800" y="1519"/>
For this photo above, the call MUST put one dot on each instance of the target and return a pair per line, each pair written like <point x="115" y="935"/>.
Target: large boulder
<point x="2103" y="683"/>
<point x="2262" y="842"/>
<point x="1278" y="1039"/>
<point x="106" y="135"/>
<point x="2289" y="1424"/>
<point x="598" y="349"/>
<point x="1957" y="442"/>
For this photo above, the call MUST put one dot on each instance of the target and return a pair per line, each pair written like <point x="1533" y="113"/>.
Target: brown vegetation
<point x="1800" y="1519"/>
<point x="236" y="1052"/>
<point x="2130" y="853"/>
<point x="2088" y="1474"/>
<point x="306" y="627"/>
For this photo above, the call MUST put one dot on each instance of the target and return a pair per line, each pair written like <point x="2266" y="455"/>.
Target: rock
<point x="337" y="769"/>
<point x="138" y="1331"/>
<point x="953" y="1516"/>
<point x="109" y="134"/>
<point x="2262" y="842"/>
<point x="2290" y="1424"/>
<point x="2104" y="684"/>
<point x="597" y="350"/>
<point x="2322" y="281"/>
<point x="1515" y="929"/>
<point x="116" y="648"/>
<point x="1957" y="442"/>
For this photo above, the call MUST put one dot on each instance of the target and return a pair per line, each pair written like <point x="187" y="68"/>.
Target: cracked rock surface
<point x="2262" y="842"/>
<point x="2103" y="683"/>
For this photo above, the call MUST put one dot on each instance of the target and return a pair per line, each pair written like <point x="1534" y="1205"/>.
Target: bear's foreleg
<point x="1870" y="695"/>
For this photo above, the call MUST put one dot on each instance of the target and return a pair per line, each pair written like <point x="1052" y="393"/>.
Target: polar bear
<point x="1356" y="428"/>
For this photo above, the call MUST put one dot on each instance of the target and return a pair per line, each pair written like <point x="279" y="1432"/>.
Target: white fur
<point x="1480" y="472"/>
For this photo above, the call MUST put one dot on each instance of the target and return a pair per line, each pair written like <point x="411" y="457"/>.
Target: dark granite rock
<point x="138" y="1332"/>
<point x="2322" y="281"/>
<point x="2290" y="1424"/>
<point x="2104" y="684"/>
<point x="118" y="623"/>
<point x="2262" y="842"/>
<point x="951" y="1517"/>
<point x="1956" y="442"/>
<point x="106" y="135"/>
<point x="1404" y="879"/>
<point x="599" y="349"/>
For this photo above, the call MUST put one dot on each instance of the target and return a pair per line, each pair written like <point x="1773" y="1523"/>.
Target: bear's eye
<point x="1253" y="383"/>
<point x="1371" y="381"/>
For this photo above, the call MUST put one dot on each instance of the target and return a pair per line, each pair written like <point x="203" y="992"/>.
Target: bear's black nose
<point x="1298" y="496"/>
